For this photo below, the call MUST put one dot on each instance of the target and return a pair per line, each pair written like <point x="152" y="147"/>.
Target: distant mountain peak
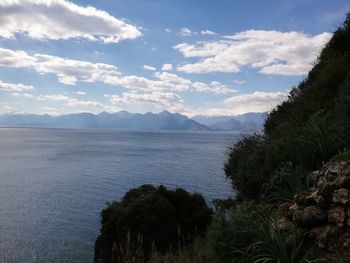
<point x="164" y="120"/>
<point x="165" y="113"/>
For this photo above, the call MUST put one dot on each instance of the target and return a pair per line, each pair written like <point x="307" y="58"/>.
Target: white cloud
<point x="239" y="82"/>
<point x="79" y="104"/>
<point x="167" y="67"/>
<point x="202" y="49"/>
<point x="271" y="52"/>
<point x="165" y="82"/>
<point x="4" y="86"/>
<point x="150" y="68"/>
<point x="63" y="101"/>
<point x="215" y="87"/>
<point x="167" y="30"/>
<point x="185" y="32"/>
<point x="15" y="58"/>
<point x="24" y="95"/>
<point x="81" y="93"/>
<point x="51" y="111"/>
<point x="68" y="71"/>
<point x="162" y="100"/>
<point x="250" y="102"/>
<point x="244" y="103"/>
<point x="208" y="32"/>
<point x="61" y="19"/>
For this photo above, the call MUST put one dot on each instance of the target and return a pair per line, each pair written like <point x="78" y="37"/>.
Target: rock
<point x="310" y="215"/>
<point x="341" y="196"/>
<point x="284" y="211"/>
<point x="313" y="177"/>
<point x="336" y="215"/>
<point x="323" y="212"/>
<point x="318" y="231"/>
<point x="285" y="224"/>
<point x="309" y="198"/>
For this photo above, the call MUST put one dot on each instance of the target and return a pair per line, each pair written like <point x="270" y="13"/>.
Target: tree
<point x="149" y="218"/>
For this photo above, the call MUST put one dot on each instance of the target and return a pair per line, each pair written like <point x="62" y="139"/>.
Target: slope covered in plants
<point x="303" y="132"/>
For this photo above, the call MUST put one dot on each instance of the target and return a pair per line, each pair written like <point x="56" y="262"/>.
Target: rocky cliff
<point x="323" y="212"/>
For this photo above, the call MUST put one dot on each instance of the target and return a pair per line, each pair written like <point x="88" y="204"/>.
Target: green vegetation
<point x="150" y="219"/>
<point x="305" y="131"/>
<point x="300" y="135"/>
<point x="342" y="155"/>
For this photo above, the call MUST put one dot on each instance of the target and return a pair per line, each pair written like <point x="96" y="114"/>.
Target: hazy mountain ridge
<point x="248" y="122"/>
<point x="137" y="121"/>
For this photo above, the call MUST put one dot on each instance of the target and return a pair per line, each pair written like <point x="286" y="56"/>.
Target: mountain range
<point x="164" y="120"/>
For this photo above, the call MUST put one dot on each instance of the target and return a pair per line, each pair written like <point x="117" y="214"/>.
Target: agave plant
<point x="277" y="246"/>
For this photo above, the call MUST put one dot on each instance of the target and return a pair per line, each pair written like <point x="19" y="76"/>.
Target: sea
<point x="55" y="182"/>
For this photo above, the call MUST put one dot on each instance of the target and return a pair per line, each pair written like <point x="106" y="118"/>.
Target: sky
<point x="224" y="57"/>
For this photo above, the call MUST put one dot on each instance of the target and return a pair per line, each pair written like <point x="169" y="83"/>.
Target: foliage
<point x="228" y="236"/>
<point x="275" y="245"/>
<point x="306" y="130"/>
<point x="246" y="176"/>
<point x="342" y="155"/>
<point x="300" y="134"/>
<point x="149" y="219"/>
<point x="194" y="253"/>
<point x="285" y="183"/>
<point x="249" y="234"/>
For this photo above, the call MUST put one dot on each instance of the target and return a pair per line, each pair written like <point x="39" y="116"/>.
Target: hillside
<point x="306" y="130"/>
<point x="267" y="170"/>
<point x="285" y="210"/>
<point x="248" y="122"/>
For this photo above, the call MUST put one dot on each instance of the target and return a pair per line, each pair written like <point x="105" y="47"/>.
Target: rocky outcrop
<point x="323" y="212"/>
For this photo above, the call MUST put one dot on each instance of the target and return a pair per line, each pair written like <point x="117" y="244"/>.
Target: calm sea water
<point x="54" y="182"/>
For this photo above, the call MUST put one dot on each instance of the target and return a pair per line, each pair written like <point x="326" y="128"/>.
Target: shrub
<point x="307" y="129"/>
<point x="285" y="183"/>
<point x="342" y="155"/>
<point x="244" y="167"/>
<point x="249" y="234"/>
<point x="194" y="253"/>
<point x="230" y="235"/>
<point x="148" y="219"/>
<point x="275" y="245"/>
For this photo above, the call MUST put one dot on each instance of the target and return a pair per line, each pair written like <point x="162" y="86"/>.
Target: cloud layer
<point x="72" y="102"/>
<point x="4" y="86"/>
<point x="214" y="86"/>
<point x="60" y="19"/>
<point x="250" y="102"/>
<point x="271" y="52"/>
<point x="162" y="100"/>
<point x="69" y="72"/>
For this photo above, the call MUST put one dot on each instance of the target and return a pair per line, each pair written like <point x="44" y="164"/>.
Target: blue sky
<point x="193" y="57"/>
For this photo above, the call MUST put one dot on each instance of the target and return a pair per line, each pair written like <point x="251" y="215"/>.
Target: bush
<point x="194" y="253"/>
<point x="150" y="219"/>
<point x="285" y="183"/>
<point x="307" y="129"/>
<point x="342" y="155"/>
<point x="244" y="166"/>
<point x="230" y="235"/>
<point x="274" y="245"/>
<point x="249" y="234"/>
